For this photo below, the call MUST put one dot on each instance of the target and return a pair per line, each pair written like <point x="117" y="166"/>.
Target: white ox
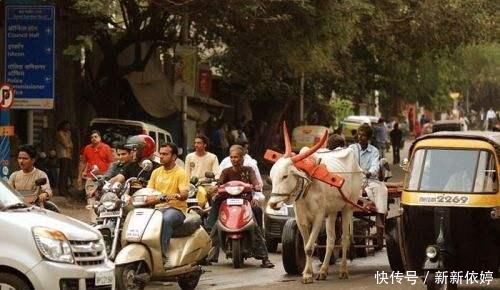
<point x="321" y="202"/>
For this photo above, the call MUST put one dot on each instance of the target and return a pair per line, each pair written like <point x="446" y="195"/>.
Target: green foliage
<point x="75" y="50"/>
<point x="341" y="109"/>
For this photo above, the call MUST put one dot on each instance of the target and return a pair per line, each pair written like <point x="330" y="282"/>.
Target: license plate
<point x="234" y="201"/>
<point x="104" y="278"/>
<point x="107" y="214"/>
<point x="192" y="200"/>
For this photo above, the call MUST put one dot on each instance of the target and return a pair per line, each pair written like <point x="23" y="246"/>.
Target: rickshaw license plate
<point x="235" y="201"/>
<point x="454" y="199"/>
<point x="104" y="278"/>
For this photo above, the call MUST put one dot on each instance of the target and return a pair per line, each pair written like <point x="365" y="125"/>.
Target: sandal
<point x="267" y="264"/>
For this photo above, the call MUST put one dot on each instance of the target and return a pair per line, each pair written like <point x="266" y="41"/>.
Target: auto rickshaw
<point x="450" y="209"/>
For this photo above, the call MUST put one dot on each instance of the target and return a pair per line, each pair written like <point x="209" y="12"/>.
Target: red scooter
<point x="235" y="223"/>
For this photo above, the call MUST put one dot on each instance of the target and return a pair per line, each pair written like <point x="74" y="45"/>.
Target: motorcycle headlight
<point x="109" y="200"/>
<point x="53" y="245"/>
<point x="234" y="190"/>
<point x="282" y="211"/>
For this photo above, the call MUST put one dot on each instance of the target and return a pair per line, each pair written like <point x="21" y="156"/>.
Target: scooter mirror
<point x="194" y="180"/>
<point x="147" y="165"/>
<point x="94" y="169"/>
<point x="209" y="174"/>
<point x="41" y="181"/>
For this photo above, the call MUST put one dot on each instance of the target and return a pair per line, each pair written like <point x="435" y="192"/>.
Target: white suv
<point x="44" y="250"/>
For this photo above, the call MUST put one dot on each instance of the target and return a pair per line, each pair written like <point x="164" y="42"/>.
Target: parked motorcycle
<point x="33" y="196"/>
<point x="236" y="223"/>
<point x="112" y="207"/>
<point x="140" y="260"/>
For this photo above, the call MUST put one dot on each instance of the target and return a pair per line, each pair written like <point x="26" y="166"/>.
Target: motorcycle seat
<point x="190" y="225"/>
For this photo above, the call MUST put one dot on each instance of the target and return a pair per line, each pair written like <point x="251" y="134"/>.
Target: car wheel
<point x="11" y="281"/>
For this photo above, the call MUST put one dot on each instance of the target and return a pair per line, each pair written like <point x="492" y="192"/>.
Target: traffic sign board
<point x="29" y="55"/>
<point x="6" y="96"/>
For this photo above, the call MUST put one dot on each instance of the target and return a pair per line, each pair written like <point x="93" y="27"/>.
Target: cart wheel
<point x="292" y="252"/>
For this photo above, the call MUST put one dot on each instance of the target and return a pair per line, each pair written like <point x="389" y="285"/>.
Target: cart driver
<point x="367" y="156"/>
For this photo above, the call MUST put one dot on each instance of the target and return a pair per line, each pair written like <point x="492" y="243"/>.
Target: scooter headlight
<point x="234" y="190"/>
<point x="192" y="191"/>
<point x="431" y="252"/>
<point x="53" y="245"/>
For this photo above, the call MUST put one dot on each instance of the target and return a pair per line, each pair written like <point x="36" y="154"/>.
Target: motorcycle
<point x="199" y="199"/>
<point x="112" y="207"/>
<point x="140" y="260"/>
<point x="236" y="223"/>
<point x="32" y="197"/>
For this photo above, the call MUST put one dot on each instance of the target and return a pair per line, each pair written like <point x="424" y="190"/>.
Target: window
<point x="451" y="170"/>
<point x="161" y="138"/>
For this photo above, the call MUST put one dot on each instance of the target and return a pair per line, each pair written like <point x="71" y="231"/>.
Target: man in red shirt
<point x="97" y="153"/>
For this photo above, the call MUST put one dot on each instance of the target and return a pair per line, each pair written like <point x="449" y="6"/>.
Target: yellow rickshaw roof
<point x="491" y="137"/>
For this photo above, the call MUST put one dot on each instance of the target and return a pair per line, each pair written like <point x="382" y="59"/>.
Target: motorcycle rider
<point x="201" y="161"/>
<point x="125" y="157"/>
<point x="24" y="179"/>
<point x="367" y="156"/>
<point x="245" y="174"/>
<point x="250" y="162"/>
<point x="142" y="147"/>
<point x="173" y="182"/>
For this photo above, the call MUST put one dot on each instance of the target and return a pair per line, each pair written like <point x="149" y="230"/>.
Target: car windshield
<point x="116" y="133"/>
<point x="449" y="170"/>
<point x="8" y="196"/>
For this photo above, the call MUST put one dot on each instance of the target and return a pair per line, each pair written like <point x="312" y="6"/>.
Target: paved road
<point x="222" y="276"/>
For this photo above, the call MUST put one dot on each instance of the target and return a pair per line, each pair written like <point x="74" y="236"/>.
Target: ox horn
<point x="288" y="145"/>
<point x="313" y="149"/>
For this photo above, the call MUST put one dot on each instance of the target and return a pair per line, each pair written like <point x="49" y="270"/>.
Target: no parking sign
<point x="6" y="96"/>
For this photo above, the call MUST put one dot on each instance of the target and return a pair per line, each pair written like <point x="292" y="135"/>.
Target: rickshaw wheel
<point x="432" y="285"/>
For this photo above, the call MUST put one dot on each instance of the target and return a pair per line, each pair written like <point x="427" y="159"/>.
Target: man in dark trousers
<point x="396" y="141"/>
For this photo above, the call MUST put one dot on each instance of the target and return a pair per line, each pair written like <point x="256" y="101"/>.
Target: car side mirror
<point x="147" y="165"/>
<point x="41" y="181"/>
<point x="210" y="175"/>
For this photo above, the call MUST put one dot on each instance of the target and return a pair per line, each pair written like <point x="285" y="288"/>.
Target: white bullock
<point x="321" y="202"/>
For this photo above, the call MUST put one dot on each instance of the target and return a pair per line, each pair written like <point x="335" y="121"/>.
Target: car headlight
<point x="283" y="211"/>
<point x="234" y="190"/>
<point x="53" y="245"/>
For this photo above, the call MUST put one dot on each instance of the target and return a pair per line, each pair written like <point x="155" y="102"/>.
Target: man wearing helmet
<point x="143" y="147"/>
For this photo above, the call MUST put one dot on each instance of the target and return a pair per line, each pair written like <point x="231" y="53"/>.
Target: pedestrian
<point x="396" y="141"/>
<point x="64" y="152"/>
<point x="96" y="154"/>
<point x="491" y="118"/>
<point x="380" y="136"/>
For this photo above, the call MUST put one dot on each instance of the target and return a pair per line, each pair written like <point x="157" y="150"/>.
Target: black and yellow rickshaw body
<point x="444" y="208"/>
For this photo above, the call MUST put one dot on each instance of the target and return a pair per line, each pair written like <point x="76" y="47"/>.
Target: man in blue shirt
<point x="367" y="156"/>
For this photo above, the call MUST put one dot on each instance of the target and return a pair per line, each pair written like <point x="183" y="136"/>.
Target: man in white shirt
<point x="201" y="161"/>
<point x="491" y="117"/>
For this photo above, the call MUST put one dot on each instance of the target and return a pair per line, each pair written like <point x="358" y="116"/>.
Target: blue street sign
<point x="29" y="55"/>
